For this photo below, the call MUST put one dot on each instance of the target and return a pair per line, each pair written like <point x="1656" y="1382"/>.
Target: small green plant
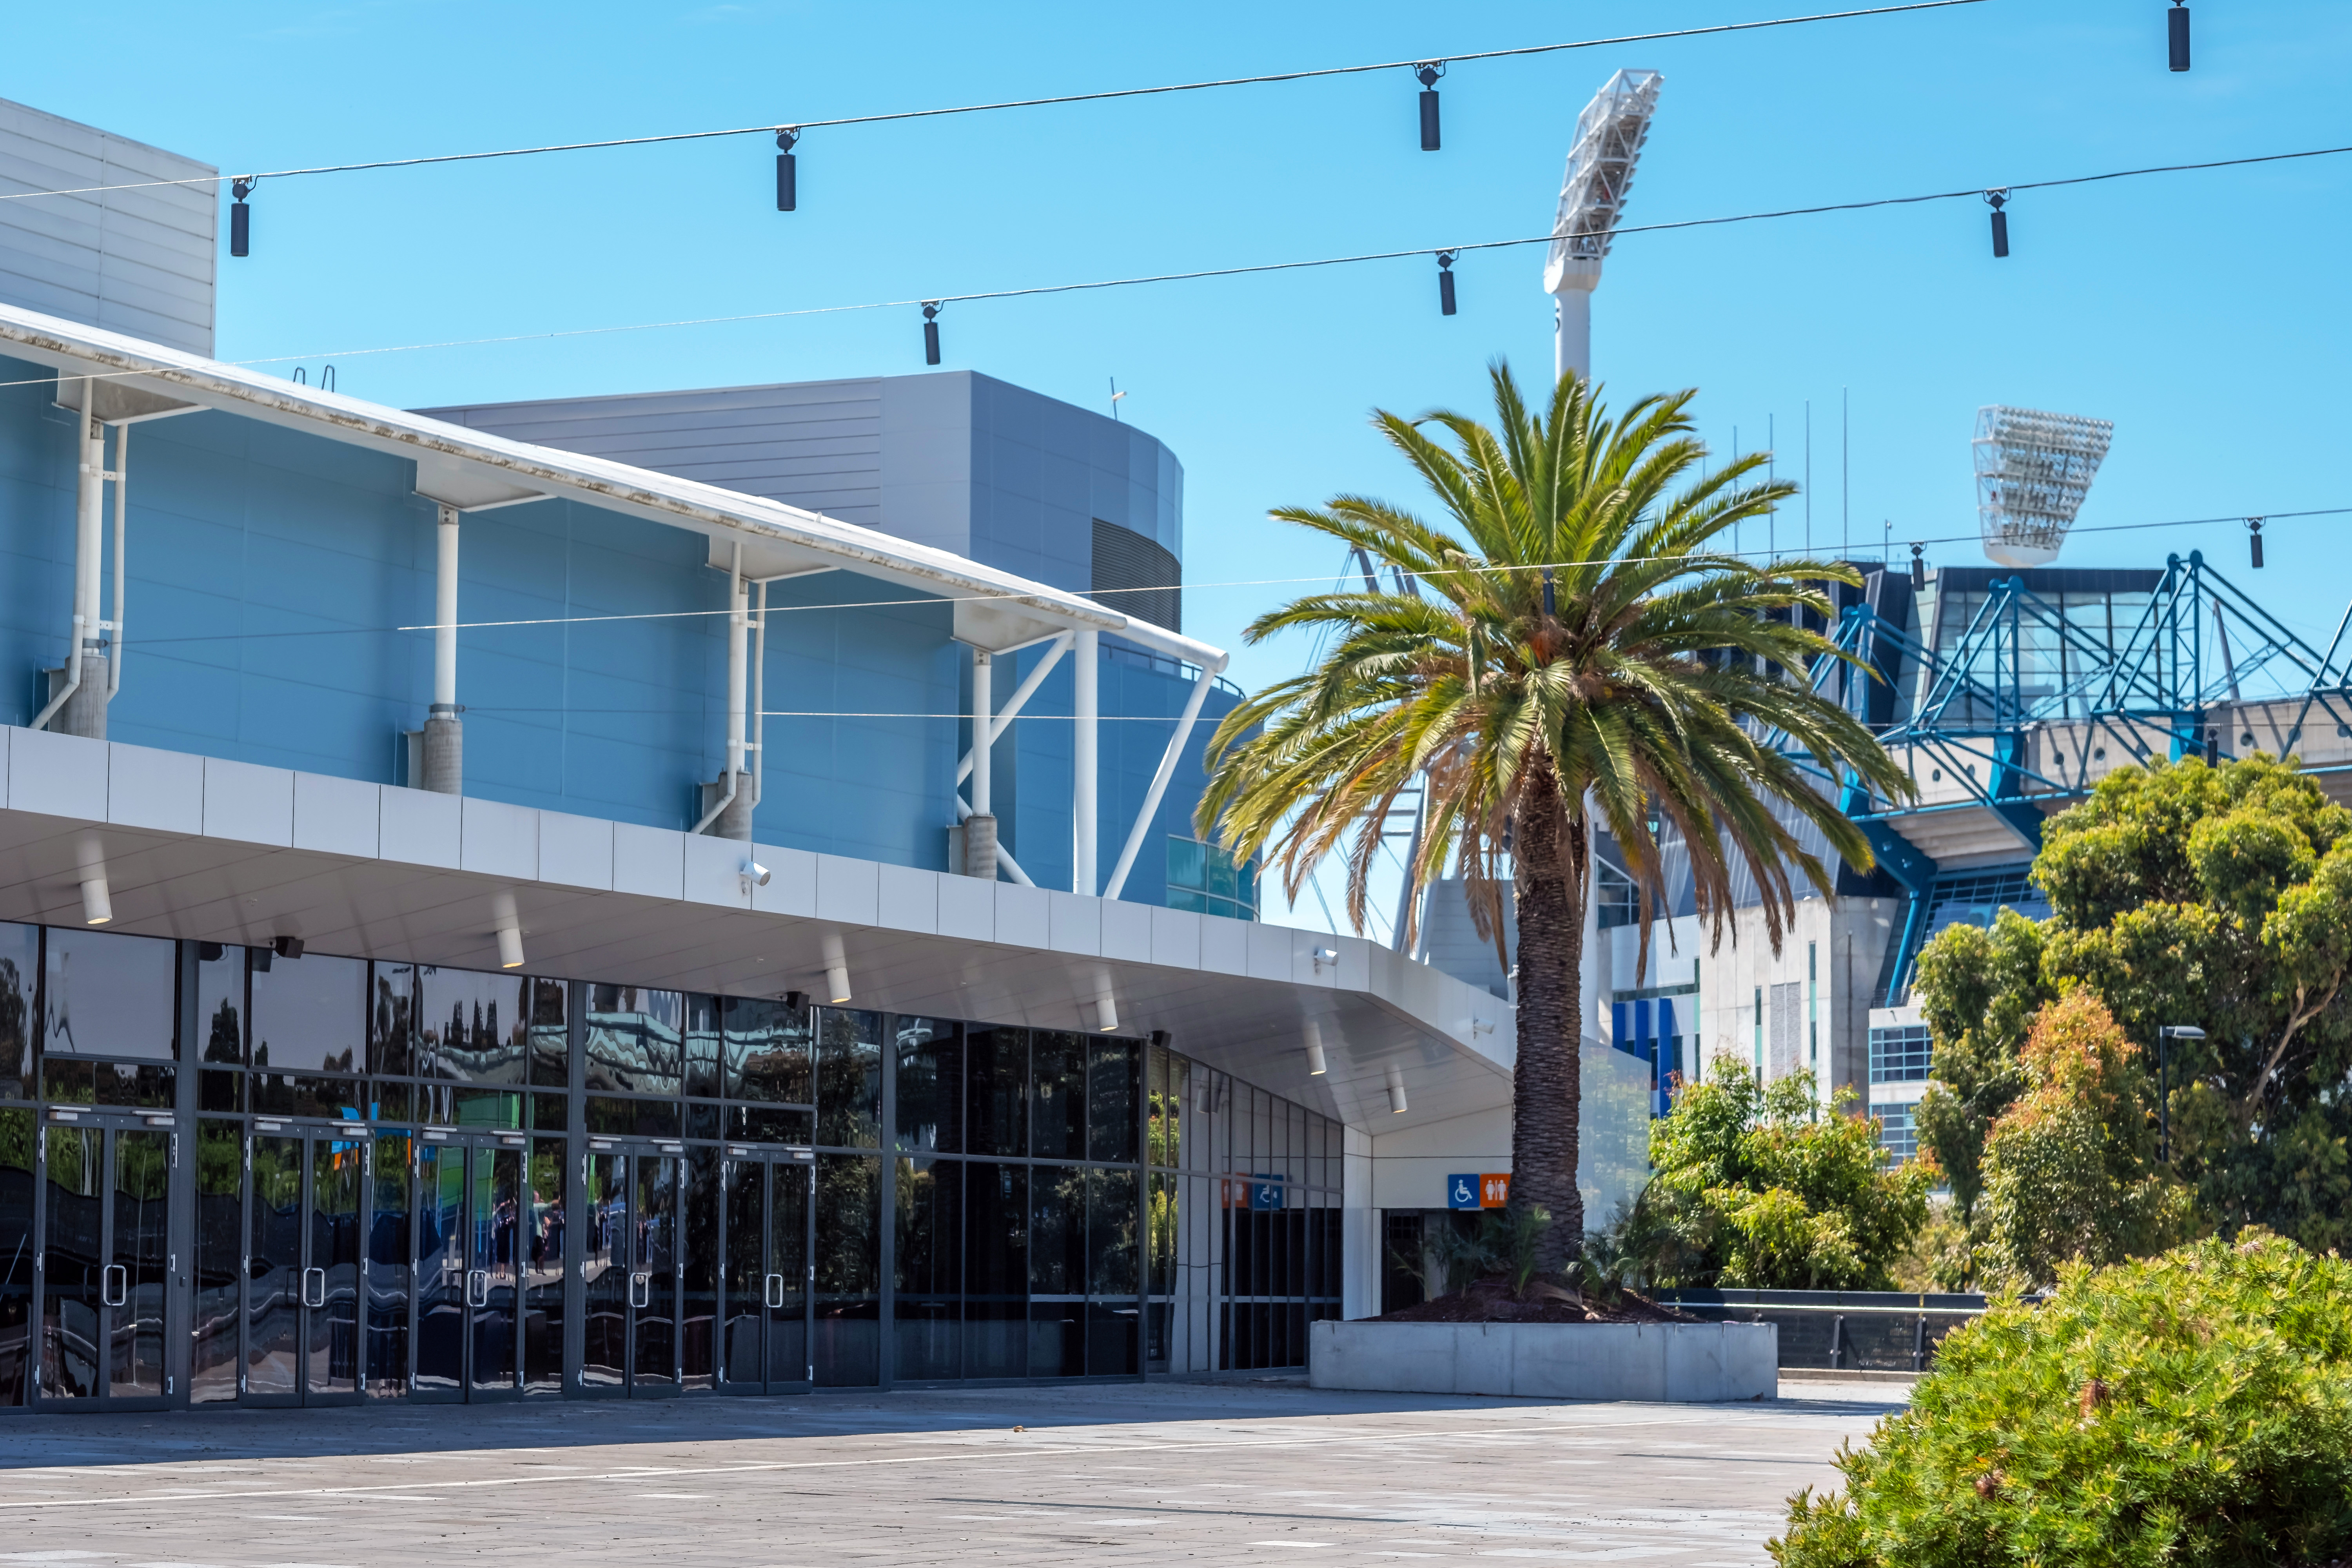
<point x="2192" y="1410"/>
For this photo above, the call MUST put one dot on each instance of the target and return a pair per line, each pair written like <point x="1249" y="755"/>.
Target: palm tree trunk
<point x="1546" y="1088"/>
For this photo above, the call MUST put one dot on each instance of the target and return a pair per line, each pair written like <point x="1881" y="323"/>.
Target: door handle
<point x="478" y="1288"/>
<point x="775" y="1290"/>
<point x="115" y="1285"/>
<point x="314" y="1287"/>
<point x="641" y="1290"/>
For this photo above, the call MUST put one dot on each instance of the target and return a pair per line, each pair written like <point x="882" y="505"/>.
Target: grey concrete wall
<point x="1672" y="1362"/>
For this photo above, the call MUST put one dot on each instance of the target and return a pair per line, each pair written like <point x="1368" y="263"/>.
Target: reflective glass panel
<point x="220" y="1257"/>
<point x="1057" y="1230"/>
<point x="743" y="1357"/>
<point x="847" y="1345"/>
<point x="220" y="1007"/>
<point x="20" y="947"/>
<point x="702" y="1020"/>
<point x="1111" y="1098"/>
<point x="996" y="1090"/>
<point x="389" y="1270"/>
<point x="140" y="1249"/>
<point x="929" y="1086"/>
<point x="604" y="1274"/>
<point x="472" y="1027"/>
<point x="699" y="1273"/>
<point x="849" y="1079"/>
<point x="653" y="1282"/>
<point x="636" y="1040"/>
<point x="1110" y="1232"/>
<point x="542" y="1316"/>
<point x="1057" y="1100"/>
<point x="494" y="1200"/>
<point x="440" y="1268"/>
<point x="788" y="1263"/>
<point x="332" y="1351"/>
<point x="71" y="1259"/>
<point x="310" y="1014"/>
<point x="392" y="1019"/>
<point x="107" y="996"/>
<point x="274" y="1269"/>
<point x="550" y="1036"/>
<point x="766" y="1051"/>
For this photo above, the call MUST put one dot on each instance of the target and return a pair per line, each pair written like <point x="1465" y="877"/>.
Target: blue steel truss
<point x="2201" y="648"/>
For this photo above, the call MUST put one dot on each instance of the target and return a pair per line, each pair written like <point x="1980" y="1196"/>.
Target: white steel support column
<point x="1572" y="328"/>
<point x="727" y="804"/>
<point x="979" y="827"/>
<point x="85" y="710"/>
<point x="444" y="734"/>
<point x="1084" y="764"/>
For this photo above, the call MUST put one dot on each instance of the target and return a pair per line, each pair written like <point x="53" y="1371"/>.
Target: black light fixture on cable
<point x="1918" y="569"/>
<point x="1997" y="200"/>
<point x="1445" y="283"/>
<point x="931" y="332"/>
<point x="2254" y="534"/>
<point x="788" y="180"/>
<point x="2177" y="21"/>
<point x="240" y="217"/>
<point x="1428" y="71"/>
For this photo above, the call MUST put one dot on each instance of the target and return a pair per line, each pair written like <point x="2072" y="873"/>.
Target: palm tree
<point x="1583" y="655"/>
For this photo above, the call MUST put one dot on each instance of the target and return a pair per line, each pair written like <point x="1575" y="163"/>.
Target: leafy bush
<point x="1757" y="1186"/>
<point x="2192" y="1410"/>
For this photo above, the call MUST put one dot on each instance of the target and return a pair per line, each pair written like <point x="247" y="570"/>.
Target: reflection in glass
<point x="701" y="1034"/>
<point x="472" y="1027"/>
<point x="310" y="1014"/>
<point x="273" y="1269"/>
<point x="1057" y="1339"/>
<point x="1110" y="1232"/>
<point x="543" y="1309"/>
<point x="494" y="1199"/>
<point x="609" y="1117"/>
<point x="220" y="1003"/>
<point x="71" y="1259"/>
<point x="1058" y="1099"/>
<point x="927" y="1269"/>
<point x="331" y="1349"/>
<point x="1111" y="1095"/>
<point x="743" y="1360"/>
<point x="440" y="1269"/>
<point x="289" y="1094"/>
<point x="20" y="947"/>
<point x="847" y="1346"/>
<point x="653" y="1271"/>
<point x="220" y="1254"/>
<point x="551" y="1037"/>
<point x="788" y="1259"/>
<point x="929" y="1086"/>
<point x="636" y="1040"/>
<point x="766" y="1051"/>
<point x="699" y="1274"/>
<point x="1057" y="1230"/>
<point x="604" y="1274"/>
<point x="849" y="1079"/>
<point x="388" y="1269"/>
<point x="106" y="995"/>
<point x="996" y="1091"/>
<point x="392" y="1020"/>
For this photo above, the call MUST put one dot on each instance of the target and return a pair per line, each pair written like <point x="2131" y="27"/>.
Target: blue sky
<point x="2201" y="312"/>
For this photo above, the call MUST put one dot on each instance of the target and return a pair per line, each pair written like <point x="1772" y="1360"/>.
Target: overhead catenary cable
<point x="789" y="130"/>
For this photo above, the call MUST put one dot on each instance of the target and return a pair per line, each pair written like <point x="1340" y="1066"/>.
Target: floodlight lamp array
<point x="1600" y="164"/>
<point x="2033" y="468"/>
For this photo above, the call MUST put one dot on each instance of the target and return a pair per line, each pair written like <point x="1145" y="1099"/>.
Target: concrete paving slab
<point x="1253" y="1473"/>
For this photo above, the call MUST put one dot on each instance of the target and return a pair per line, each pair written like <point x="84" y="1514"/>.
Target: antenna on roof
<point x="1600" y="163"/>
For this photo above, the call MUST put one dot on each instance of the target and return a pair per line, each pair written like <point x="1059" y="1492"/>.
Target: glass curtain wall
<point x="373" y="1166"/>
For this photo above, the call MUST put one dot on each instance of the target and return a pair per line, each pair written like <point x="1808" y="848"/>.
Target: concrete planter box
<point x="1676" y="1363"/>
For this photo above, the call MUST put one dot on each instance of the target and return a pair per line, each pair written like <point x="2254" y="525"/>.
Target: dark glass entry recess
<point x="470" y="1200"/>
<point x="104" y="1262"/>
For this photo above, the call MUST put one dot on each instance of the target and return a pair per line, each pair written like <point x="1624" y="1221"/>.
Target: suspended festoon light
<point x="2178" y="25"/>
<point x="788" y="180"/>
<point x="1918" y="569"/>
<point x="1428" y="71"/>
<point x="1445" y="283"/>
<point x="240" y="217"/>
<point x="2255" y="536"/>
<point x="1997" y="200"/>
<point x="932" y="332"/>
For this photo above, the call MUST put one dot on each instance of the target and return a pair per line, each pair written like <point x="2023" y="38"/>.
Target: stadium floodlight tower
<point x="2032" y="471"/>
<point x="1609" y="137"/>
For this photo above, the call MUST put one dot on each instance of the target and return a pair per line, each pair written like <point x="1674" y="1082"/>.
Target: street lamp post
<point x="2164" y="1035"/>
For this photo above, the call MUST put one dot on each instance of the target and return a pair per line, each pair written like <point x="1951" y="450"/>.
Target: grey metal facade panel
<point x="137" y="262"/>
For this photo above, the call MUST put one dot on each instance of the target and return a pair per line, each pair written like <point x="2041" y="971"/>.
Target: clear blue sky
<point x="2203" y="313"/>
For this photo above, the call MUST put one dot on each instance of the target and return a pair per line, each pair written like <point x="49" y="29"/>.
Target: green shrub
<point x="2192" y="1410"/>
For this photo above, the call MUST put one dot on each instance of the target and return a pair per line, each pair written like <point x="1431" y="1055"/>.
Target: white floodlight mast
<point x="1609" y="137"/>
<point x="2032" y="471"/>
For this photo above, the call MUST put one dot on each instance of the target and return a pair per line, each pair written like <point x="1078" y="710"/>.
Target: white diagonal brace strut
<point x="1167" y="770"/>
<point x="1020" y="697"/>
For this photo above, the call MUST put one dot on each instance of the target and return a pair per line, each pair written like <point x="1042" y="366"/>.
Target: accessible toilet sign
<point x="1490" y="1190"/>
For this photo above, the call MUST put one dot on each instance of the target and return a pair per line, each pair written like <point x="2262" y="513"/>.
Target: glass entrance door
<point x="306" y="1220"/>
<point x="106" y="1194"/>
<point x="764" y="1305"/>
<point x="471" y="1199"/>
<point x="655" y="1318"/>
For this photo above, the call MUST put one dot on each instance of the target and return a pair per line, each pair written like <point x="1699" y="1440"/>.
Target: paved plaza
<point x="1244" y="1474"/>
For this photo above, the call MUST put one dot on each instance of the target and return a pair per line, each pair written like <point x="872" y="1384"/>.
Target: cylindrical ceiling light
<point x="510" y="947"/>
<point x="836" y="971"/>
<point x="1428" y="72"/>
<point x="788" y="191"/>
<point x="97" y="907"/>
<point x="2176" y="20"/>
<point x="1445" y="283"/>
<point x="1396" y="1092"/>
<point x="1105" y="1010"/>
<point x="240" y="217"/>
<point x="932" y="332"/>
<point x="1998" y="199"/>
<point x="1316" y="1066"/>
